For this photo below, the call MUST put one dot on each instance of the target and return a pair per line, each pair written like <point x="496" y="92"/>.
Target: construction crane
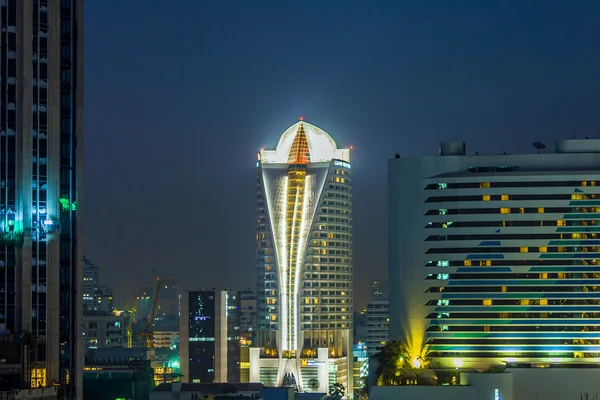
<point x="130" y="323"/>
<point x="149" y="331"/>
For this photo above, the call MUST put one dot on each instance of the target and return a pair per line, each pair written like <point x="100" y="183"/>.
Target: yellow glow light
<point x="416" y="362"/>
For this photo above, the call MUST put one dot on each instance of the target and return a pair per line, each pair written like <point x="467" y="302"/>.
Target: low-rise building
<point x="102" y="330"/>
<point x="221" y="391"/>
<point x="166" y="339"/>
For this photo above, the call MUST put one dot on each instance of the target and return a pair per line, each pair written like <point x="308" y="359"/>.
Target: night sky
<point x="180" y="96"/>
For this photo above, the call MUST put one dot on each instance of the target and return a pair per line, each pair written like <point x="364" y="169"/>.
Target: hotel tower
<point x="495" y="259"/>
<point x="304" y="263"/>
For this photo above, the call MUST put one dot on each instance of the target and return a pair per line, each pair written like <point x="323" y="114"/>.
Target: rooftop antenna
<point x="539" y="146"/>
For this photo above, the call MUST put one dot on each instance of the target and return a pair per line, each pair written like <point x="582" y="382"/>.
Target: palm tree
<point x="393" y="358"/>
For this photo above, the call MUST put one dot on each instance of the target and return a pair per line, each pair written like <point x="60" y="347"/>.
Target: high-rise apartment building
<point x="495" y="258"/>
<point x="378" y="325"/>
<point x="379" y="289"/>
<point x="169" y="300"/>
<point x="304" y="260"/>
<point x="248" y="312"/>
<point x="209" y="343"/>
<point x="41" y="143"/>
<point x="91" y="280"/>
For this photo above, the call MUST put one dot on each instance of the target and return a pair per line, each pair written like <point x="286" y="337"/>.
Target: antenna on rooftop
<point x="539" y="146"/>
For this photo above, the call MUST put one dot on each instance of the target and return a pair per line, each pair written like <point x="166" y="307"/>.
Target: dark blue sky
<point x="180" y="95"/>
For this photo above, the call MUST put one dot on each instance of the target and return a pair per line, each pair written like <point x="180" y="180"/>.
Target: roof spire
<point x="299" y="151"/>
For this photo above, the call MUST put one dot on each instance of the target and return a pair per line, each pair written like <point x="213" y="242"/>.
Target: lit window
<point x="468" y="263"/>
<point x="561" y="222"/>
<point x="540" y="210"/>
<point x="524" y="249"/>
<point x="543" y="249"/>
<point x="504" y="197"/>
<point x="486" y="197"/>
<point x="487" y="302"/>
<point x="505" y="210"/>
<point x="484" y="185"/>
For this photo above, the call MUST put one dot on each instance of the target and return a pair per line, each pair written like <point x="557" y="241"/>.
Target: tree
<point x="337" y="391"/>
<point x="395" y="356"/>
<point x="390" y="359"/>
<point x="362" y="393"/>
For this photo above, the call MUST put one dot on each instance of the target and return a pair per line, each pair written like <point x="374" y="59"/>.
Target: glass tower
<point x="304" y="254"/>
<point x="41" y="144"/>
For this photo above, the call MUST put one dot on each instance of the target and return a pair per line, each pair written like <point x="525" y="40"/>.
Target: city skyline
<point x="191" y="104"/>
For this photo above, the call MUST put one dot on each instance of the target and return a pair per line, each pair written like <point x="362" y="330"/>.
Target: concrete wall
<point x="556" y="383"/>
<point x="513" y="384"/>
<point x="424" y="393"/>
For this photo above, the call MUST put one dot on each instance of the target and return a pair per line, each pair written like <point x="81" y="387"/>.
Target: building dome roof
<point x="304" y="143"/>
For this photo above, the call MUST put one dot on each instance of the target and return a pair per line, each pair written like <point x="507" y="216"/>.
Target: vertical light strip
<point x="282" y="258"/>
<point x="306" y="219"/>
<point x="293" y="263"/>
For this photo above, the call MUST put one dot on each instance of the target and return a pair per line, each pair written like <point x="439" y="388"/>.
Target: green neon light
<point x="64" y="202"/>
<point x="74" y="206"/>
<point x="11" y="233"/>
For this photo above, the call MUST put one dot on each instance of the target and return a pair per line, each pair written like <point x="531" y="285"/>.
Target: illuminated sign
<point x="201" y="318"/>
<point x="342" y="164"/>
<point x="496" y="394"/>
<point x="312" y="362"/>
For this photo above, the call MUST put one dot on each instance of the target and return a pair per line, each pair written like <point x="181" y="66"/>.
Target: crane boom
<point x="132" y="310"/>
<point x="150" y="331"/>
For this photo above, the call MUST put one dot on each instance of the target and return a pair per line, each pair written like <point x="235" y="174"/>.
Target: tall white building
<point x="378" y="325"/>
<point x="304" y="260"/>
<point x="495" y="258"/>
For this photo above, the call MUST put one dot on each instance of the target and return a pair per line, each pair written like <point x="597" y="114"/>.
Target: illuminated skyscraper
<point x="304" y="260"/>
<point x="41" y="147"/>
